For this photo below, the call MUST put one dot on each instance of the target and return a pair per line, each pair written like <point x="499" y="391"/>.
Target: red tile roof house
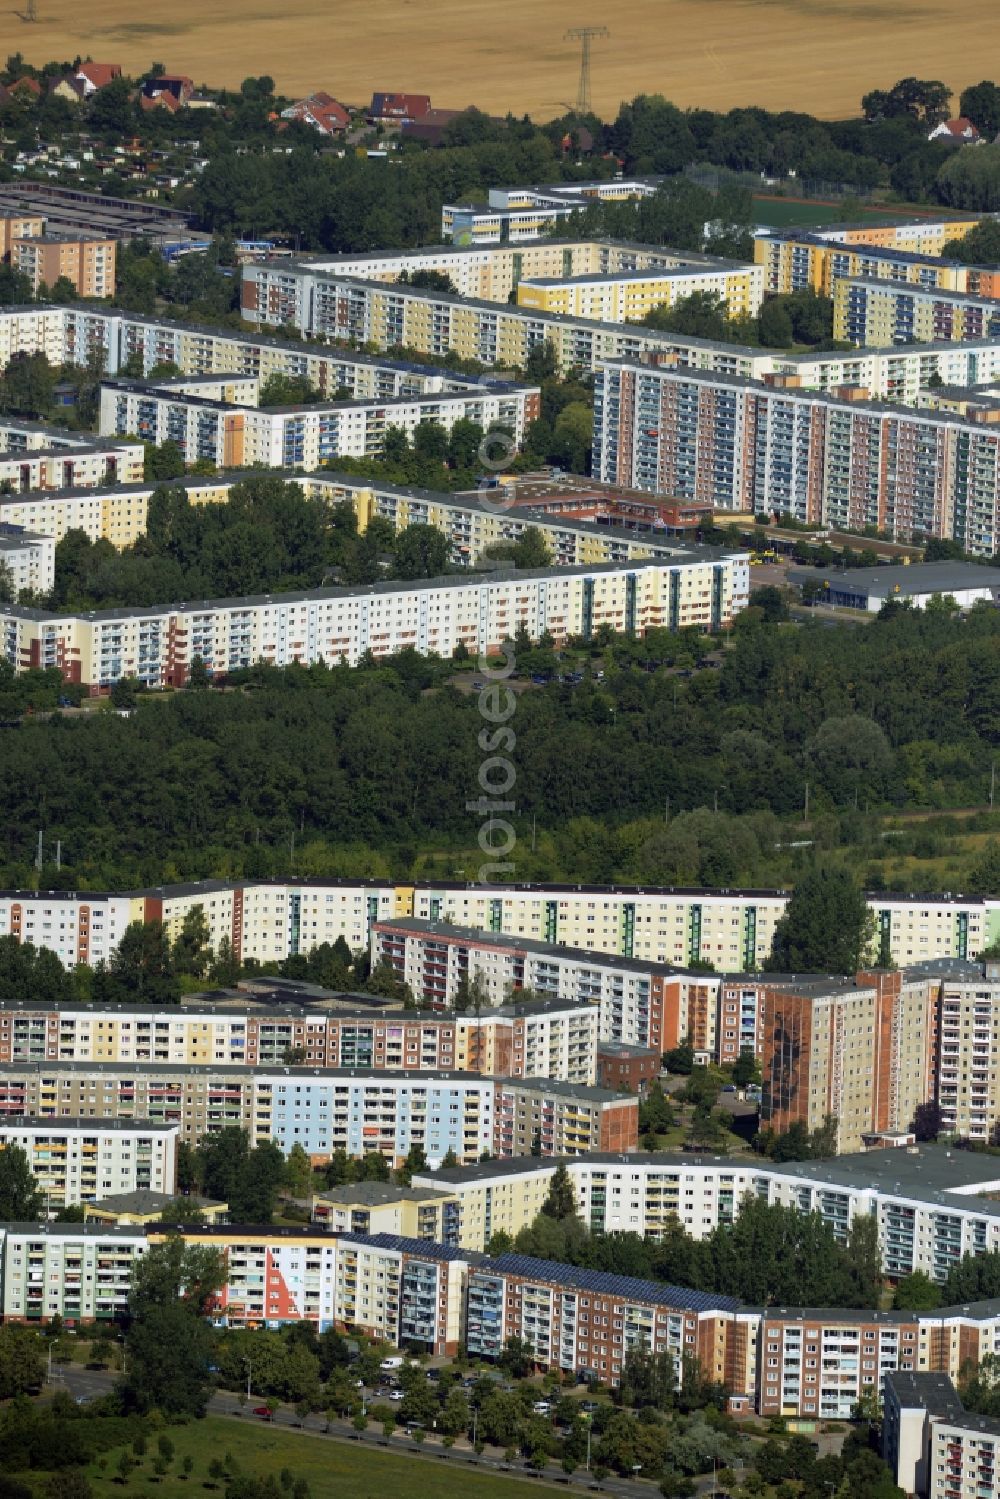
<point x="393" y="109"/>
<point x="97" y="75"/>
<point x="960" y="130"/>
<point x="321" y="111"/>
<point x="172" y="90"/>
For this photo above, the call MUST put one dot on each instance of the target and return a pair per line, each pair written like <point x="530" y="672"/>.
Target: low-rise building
<point x="143" y="1207"/>
<point x="629" y="1069"/>
<point x="871" y="588"/>
<point x="370" y="1207"/>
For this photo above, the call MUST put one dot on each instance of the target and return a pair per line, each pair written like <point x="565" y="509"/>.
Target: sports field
<point x="816" y="55"/>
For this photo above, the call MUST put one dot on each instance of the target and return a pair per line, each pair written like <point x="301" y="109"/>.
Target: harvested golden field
<point x="815" y="55"/>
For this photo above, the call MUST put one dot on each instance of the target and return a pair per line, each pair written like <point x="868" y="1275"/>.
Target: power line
<point x="584" y="35"/>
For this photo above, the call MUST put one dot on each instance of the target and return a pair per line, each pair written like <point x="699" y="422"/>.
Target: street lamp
<point x="589" y="1431"/>
<point x="249" y="1364"/>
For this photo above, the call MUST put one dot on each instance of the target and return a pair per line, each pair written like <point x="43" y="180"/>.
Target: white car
<point x="541" y="1407"/>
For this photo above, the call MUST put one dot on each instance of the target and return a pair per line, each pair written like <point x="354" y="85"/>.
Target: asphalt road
<point x="90" y="1383"/>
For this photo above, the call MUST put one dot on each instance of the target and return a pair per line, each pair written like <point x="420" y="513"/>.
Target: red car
<point x="262" y="1410"/>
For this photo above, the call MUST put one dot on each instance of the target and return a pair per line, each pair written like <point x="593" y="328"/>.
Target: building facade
<point x="356" y="1110"/>
<point x="837" y="460"/>
<point x="156" y="645"/>
<point x="76" y="1160"/>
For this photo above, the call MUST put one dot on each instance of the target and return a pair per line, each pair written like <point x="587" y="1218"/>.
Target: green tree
<point x="980" y="103"/>
<point x="827" y="926"/>
<point x="916" y="1293"/>
<point x="22" y="1361"/>
<point x="560" y="1202"/>
<point x="191" y="951"/>
<point x="168" y="1343"/>
<point x="141" y="968"/>
<point x="745" y="1068"/>
<point x="421" y="552"/>
<point x="21" y="1200"/>
<point x="299" y="1171"/>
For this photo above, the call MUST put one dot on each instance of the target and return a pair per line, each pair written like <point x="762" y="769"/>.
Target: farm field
<point x="815" y="55"/>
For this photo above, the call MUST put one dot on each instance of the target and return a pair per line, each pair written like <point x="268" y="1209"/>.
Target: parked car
<point x="262" y="1410"/>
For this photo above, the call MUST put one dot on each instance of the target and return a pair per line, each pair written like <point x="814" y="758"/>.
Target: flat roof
<point x="380" y="1194"/>
<point x="935" y="1174"/>
<point x="806" y="394"/>
<point x="471" y="579"/>
<point x="33" y="1123"/>
<point x="878" y="898"/>
<point x="934" y="1393"/>
<point x="917" y="577"/>
<point x="422" y="1248"/>
<point x="150" y="1202"/>
<point x="935" y="293"/>
<point x="602" y="1283"/>
<point x="430" y="1077"/>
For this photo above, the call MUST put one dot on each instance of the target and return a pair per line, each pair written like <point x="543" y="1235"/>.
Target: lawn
<point x="340" y="1469"/>
<point x="777" y="213"/>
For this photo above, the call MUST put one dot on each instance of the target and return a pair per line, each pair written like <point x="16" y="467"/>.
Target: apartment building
<point x="900" y="372"/>
<point x="513" y="214"/>
<point x="30" y="558"/>
<point x="270" y="920"/>
<point x="860" y="1051"/>
<point x="34" y="456"/>
<point x="967" y="1023"/>
<point x="932" y="1204"/>
<point x="818" y="1364"/>
<point x="637" y="1002"/>
<point x="553" y="1038"/>
<point x="373" y="314"/>
<point x="157" y="644"/>
<point x="882" y="312"/>
<point x="80" y="1160"/>
<point x="585" y="1321"/>
<point x="831" y="459"/>
<point x="627" y="296"/>
<point x="923" y="236"/>
<point x="85" y="260"/>
<point x="493" y="272"/>
<point x="353" y="1109"/>
<point x="17" y="226"/>
<point x="81" y="1272"/>
<point x="936" y="1449"/>
<point x="796" y="260"/>
<point x="273" y="1275"/>
<point x="233" y="433"/>
<point x="403" y="1290"/>
<point x="473" y="523"/>
<point x="380" y="1208"/>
